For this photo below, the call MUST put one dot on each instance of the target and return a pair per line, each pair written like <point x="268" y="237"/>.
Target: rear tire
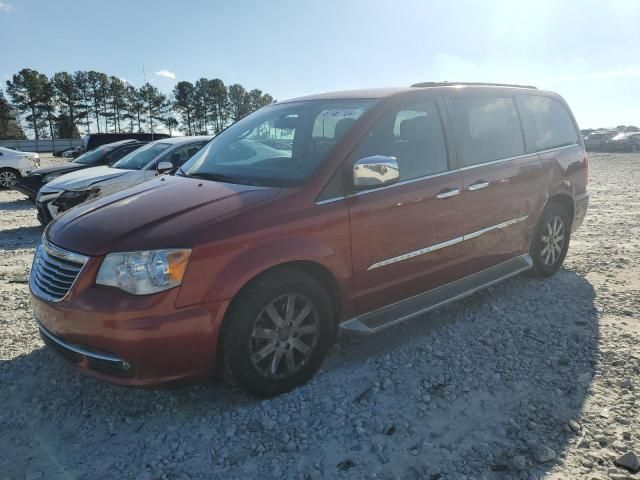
<point x="550" y="240"/>
<point x="277" y="332"/>
<point x="8" y="178"/>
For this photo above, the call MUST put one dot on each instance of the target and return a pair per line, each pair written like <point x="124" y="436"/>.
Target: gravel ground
<point x="528" y="379"/>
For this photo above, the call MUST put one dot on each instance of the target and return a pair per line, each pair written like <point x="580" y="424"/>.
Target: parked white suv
<point x="15" y="164"/>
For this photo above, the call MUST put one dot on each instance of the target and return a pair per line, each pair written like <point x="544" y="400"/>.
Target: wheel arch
<point x="314" y="269"/>
<point x="12" y="169"/>
<point x="564" y="200"/>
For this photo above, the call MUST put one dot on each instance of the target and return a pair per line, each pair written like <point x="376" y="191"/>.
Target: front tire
<point x="550" y="240"/>
<point x="8" y="178"/>
<point x="277" y="332"/>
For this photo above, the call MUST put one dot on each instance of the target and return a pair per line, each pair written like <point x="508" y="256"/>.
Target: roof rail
<point x="451" y="84"/>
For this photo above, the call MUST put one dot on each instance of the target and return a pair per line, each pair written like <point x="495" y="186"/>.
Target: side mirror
<point x="375" y="171"/>
<point x="164" y="167"/>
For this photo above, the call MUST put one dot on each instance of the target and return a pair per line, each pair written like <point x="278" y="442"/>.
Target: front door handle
<point x="448" y="192"/>
<point x="480" y="184"/>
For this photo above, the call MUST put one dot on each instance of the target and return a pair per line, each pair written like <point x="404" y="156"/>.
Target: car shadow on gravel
<point x="490" y="379"/>
<point x="14" y="205"/>
<point x="503" y="372"/>
<point x="20" y="238"/>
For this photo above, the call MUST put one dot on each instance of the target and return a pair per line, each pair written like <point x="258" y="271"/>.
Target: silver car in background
<point x="72" y="189"/>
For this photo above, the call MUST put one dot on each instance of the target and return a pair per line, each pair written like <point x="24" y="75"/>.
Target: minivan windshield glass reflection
<point x="140" y="157"/>
<point x="280" y="145"/>
<point x="91" y="157"/>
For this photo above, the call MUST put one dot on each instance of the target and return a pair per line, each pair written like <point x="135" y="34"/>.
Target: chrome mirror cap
<point x="375" y="171"/>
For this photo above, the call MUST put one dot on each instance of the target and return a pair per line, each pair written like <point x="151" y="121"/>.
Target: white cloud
<point x="165" y="73"/>
<point x="5" y="7"/>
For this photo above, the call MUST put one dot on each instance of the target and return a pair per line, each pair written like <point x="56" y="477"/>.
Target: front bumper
<point x="28" y="187"/>
<point x="581" y="203"/>
<point x="43" y="204"/>
<point x="44" y="217"/>
<point x="127" y="339"/>
<point x="98" y="361"/>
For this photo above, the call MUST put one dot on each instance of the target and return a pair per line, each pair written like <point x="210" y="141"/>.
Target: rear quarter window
<point x="486" y="129"/>
<point x="547" y="123"/>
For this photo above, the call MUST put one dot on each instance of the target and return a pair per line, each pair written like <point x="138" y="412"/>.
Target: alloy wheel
<point x="284" y="336"/>
<point x="552" y="239"/>
<point x="7" y="179"/>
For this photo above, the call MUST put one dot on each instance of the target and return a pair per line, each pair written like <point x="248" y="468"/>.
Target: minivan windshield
<point x="141" y="156"/>
<point x="92" y="156"/>
<point x="279" y="145"/>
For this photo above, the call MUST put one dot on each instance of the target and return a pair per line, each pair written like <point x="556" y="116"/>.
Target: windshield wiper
<point x="218" y="177"/>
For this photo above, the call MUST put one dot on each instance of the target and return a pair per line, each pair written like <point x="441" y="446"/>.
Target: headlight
<point x="79" y="195"/>
<point x="141" y="273"/>
<point x="51" y="176"/>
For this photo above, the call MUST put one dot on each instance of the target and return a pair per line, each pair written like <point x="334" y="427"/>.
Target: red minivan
<point x="355" y="210"/>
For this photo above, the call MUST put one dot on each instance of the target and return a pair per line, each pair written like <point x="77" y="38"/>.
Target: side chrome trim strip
<point x="461" y="169"/>
<point x="517" y="157"/>
<point x="330" y="200"/>
<point x="448" y="243"/>
<point x="499" y="226"/>
<point x="79" y="350"/>
<point x="558" y="148"/>
<point x="417" y="253"/>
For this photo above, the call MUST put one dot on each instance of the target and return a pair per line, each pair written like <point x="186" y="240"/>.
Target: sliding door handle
<point x="478" y="185"/>
<point x="448" y="192"/>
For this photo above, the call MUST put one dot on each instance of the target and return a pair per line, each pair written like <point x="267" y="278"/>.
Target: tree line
<point x="68" y="104"/>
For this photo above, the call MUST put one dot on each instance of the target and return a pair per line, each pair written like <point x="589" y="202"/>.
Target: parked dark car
<point x="104" y="155"/>
<point x="69" y="152"/>
<point x="623" y="142"/>
<point x="93" y="140"/>
<point x="375" y="207"/>
<point x="596" y="141"/>
<point x="73" y="152"/>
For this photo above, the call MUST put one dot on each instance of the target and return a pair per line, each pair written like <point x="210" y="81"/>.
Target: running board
<point x="393" y="314"/>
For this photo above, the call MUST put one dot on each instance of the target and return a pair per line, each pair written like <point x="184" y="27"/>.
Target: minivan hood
<point x="82" y="179"/>
<point x="160" y="213"/>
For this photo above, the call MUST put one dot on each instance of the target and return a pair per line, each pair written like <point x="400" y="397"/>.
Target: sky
<point x="586" y="50"/>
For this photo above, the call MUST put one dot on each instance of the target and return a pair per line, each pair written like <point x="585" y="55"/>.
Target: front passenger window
<point x="413" y="135"/>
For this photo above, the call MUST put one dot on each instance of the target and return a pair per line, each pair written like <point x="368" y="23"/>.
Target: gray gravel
<point x="529" y="379"/>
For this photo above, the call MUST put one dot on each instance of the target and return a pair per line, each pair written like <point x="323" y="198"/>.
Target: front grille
<point x="54" y="271"/>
